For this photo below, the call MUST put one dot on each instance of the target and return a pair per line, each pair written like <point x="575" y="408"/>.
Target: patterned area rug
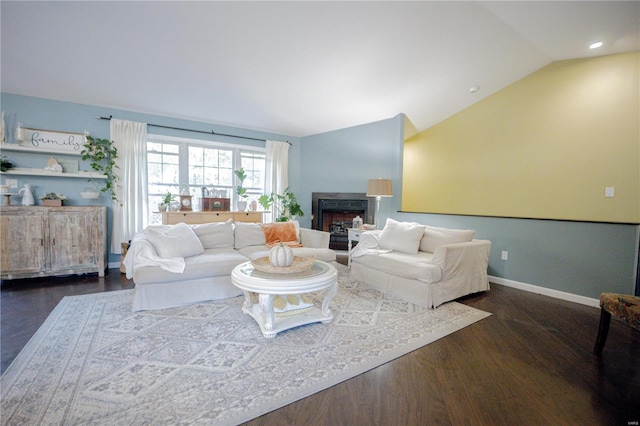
<point x="95" y="362"/>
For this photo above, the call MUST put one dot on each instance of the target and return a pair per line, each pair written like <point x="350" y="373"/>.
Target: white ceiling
<point x="296" y="68"/>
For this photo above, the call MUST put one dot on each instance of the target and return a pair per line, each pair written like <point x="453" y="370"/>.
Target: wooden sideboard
<point x="193" y="218"/>
<point x="38" y="241"/>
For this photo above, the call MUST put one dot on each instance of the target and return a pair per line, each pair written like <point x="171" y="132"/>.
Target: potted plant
<point x="165" y="205"/>
<point x="102" y="157"/>
<point x="286" y="205"/>
<point x="52" y="199"/>
<point x="5" y="164"/>
<point x="240" y="190"/>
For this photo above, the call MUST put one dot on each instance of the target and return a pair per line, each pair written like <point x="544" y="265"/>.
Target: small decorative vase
<point x="242" y="205"/>
<point x="27" y="196"/>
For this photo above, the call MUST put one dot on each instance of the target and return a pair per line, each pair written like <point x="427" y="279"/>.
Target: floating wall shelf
<point x="40" y="172"/>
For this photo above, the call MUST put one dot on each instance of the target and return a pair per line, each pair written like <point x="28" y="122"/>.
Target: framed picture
<point x="49" y="140"/>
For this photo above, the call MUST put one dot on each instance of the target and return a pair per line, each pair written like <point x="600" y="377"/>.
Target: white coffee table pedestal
<point x="321" y="276"/>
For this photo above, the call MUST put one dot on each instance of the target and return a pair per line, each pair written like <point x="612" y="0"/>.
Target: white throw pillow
<point x="434" y="237"/>
<point x="178" y="240"/>
<point x="248" y="234"/>
<point x="401" y="236"/>
<point x="215" y="234"/>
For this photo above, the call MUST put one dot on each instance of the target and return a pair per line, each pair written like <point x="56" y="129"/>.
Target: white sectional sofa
<point x="173" y="265"/>
<point x="422" y="264"/>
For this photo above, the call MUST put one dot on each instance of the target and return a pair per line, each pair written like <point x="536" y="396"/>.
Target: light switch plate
<point x="609" y="192"/>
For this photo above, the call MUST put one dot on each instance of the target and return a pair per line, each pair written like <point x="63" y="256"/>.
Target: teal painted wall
<point x="344" y="160"/>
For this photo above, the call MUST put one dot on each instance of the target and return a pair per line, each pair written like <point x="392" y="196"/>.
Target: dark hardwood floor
<point x="530" y="363"/>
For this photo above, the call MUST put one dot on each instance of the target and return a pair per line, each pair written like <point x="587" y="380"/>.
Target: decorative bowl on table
<point x="299" y="264"/>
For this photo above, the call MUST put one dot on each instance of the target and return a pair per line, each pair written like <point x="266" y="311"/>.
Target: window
<point x="190" y="166"/>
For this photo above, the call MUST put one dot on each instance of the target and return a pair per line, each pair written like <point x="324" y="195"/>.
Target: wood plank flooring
<point x="530" y="363"/>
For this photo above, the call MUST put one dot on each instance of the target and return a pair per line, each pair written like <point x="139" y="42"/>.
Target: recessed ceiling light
<point x="595" y="45"/>
<point x="474" y="89"/>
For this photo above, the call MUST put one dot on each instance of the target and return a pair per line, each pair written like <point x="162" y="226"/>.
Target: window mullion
<point x="184" y="167"/>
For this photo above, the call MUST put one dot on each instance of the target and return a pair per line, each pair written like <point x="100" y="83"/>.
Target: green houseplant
<point x="52" y="199"/>
<point x="102" y="157"/>
<point x="241" y="190"/>
<point x="167" y="198"/>
<point x="286" y="205"/>
<point x="5" y="163"/>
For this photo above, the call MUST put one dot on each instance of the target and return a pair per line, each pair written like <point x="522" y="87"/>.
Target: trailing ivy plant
<point x="102" y="155"/>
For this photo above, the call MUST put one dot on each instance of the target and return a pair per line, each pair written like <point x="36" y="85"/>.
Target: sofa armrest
<point x="142" y="253"/>
<point x="370" y="239"/>
<point x="462" y="258"/>
<point x="313" y="238"/>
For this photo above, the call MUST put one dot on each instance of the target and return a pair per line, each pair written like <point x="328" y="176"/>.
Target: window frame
<point x="183" y="160"/>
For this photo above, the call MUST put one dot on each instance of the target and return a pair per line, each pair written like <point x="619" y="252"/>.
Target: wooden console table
<point x="194" y="218"/>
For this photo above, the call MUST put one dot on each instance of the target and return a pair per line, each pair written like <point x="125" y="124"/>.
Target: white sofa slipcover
<point x="425" y="278"/>
<point x="162" y="282"/>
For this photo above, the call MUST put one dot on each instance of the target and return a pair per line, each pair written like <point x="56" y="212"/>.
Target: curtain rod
<point x="211" y="132"/>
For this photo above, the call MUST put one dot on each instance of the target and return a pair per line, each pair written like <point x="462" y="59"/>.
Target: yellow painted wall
<point x="545" y="147"/>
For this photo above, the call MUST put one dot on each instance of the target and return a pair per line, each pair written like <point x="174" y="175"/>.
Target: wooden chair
<point x="621" y="306"/>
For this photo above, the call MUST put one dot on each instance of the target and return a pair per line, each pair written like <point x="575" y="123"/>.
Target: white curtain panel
<point x="130" y="139"/>
<point x="277" y="179"/>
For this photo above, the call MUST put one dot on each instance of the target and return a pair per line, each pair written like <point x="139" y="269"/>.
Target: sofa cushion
<point x="411" y="266"/>
<point x="248" y="234"/>
<point x="177" y="240"/>
<point x="215" y="234"/>
<point x="435" y="236"/>
<point x="401" y="236"/>
<point x="211" y="263"/>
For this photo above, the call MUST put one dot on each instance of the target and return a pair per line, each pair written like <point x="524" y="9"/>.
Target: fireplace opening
<point x="334" y="213"/>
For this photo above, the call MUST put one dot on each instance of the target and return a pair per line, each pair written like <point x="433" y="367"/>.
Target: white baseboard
<point x="114" y="265"/>
<point x="583" y="300"/>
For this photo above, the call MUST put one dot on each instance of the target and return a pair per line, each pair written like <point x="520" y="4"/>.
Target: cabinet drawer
<point x="216" y="216"/>
<point x="188" y="218"/>
<point x="248" y="217"/>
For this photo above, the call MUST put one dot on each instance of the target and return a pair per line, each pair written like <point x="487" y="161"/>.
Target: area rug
<point x="95" y="362"/>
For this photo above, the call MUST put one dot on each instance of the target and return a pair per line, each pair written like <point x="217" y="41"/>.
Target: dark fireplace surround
<point x="333" y="212"/>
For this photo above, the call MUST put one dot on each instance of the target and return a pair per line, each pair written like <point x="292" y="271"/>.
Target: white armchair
<point x="429" y="279"/>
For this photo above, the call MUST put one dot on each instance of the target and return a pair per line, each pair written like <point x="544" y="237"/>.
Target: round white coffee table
<point x="321" y="276"/>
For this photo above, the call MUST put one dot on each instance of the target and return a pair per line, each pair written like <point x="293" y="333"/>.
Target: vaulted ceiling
<point x="296" y="68"/>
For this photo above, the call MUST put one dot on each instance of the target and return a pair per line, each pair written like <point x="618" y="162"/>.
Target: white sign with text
<point x="47" y="140"/>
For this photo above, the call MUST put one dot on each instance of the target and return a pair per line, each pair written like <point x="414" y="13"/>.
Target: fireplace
<point x="334" y="212"/>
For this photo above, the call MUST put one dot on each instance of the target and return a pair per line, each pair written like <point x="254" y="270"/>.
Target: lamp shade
<point x="379" y="188"/>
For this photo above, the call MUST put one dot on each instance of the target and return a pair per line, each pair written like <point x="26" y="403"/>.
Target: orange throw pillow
<point x="280" y="232"/>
